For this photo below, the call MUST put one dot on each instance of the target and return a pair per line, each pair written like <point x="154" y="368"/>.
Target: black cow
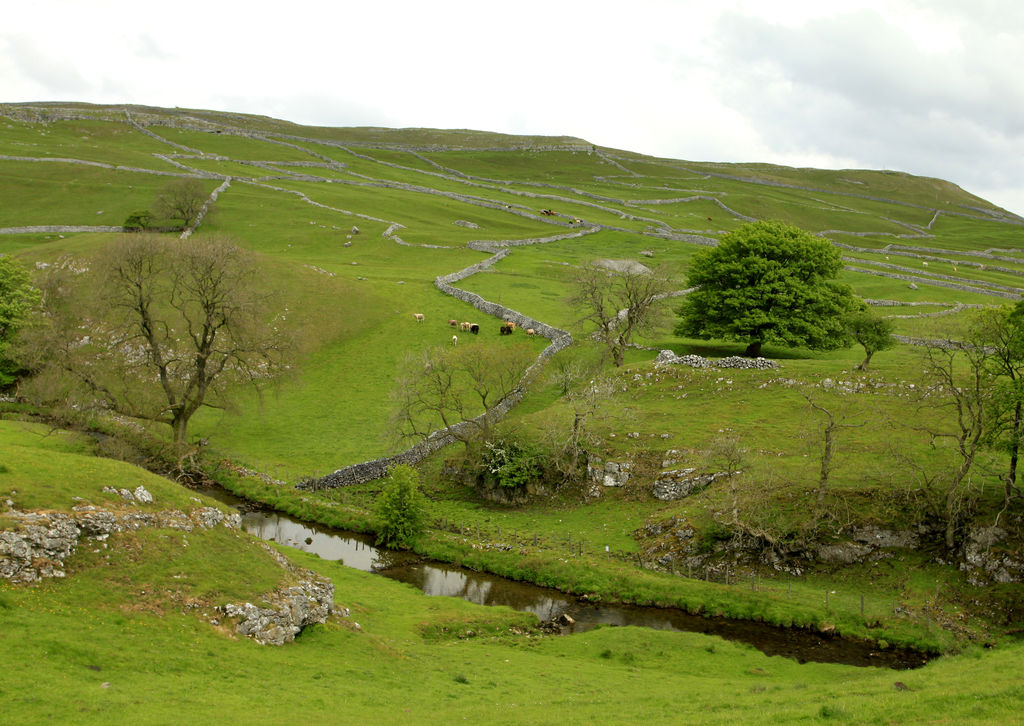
<point x="505" y="329"/>
<point x="474" y="329"/>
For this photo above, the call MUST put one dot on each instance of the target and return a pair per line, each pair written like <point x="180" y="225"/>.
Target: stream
<point x="549" y="605"/>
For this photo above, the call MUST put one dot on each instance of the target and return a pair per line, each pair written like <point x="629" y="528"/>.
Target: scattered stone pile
<point x="667" y="357"/>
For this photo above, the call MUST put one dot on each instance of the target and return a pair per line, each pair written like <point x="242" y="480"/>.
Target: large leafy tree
<point x="17" y="299"/>
<point x="768" y="282"/>
<point x="1000" y="332"/>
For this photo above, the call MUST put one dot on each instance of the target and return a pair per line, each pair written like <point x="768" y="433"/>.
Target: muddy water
<point x="435" y="578"/>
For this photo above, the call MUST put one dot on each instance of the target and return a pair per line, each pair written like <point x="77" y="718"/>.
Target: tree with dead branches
<point x="457" y="389"/>
<point x="180" y="199"/>
<point x="620" y="300"/>
<point x="156" y="329"/>
<point x="964" y="392"/>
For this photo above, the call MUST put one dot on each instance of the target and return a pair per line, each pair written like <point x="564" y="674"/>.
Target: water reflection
<point x="439" y="579"/>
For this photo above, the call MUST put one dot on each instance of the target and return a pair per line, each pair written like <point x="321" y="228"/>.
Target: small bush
<point x="138" y="221"/>
<point x="400" y="509"/>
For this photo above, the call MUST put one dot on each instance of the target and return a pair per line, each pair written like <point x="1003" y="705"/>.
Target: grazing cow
<point x="453" y="323"/>
<point x="419" y="317"/>
<point x="455" y="340"/>
<point x="505" y="329"/>
<point x="511" y="325"/>
<point x="474" y="329"/>
<point x="464" y="326"/>
<point x="531" y="331"/>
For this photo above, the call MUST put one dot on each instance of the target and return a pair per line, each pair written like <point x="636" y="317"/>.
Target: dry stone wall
<point x="377" y="468"/>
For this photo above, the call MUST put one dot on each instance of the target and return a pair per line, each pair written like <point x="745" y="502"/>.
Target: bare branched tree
<point x="964" y="387"/>
<point x="621" y="301"/>
<point x="833" y="424"/>
<point x="457" y="389"/>
<point x="181" y="199"/>
<point x="156" y="329"/>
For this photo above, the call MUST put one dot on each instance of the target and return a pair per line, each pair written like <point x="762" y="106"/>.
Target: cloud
<point x="149" y="48"/>
<point x="44" y="68"/>
<point x="861" y="86"/>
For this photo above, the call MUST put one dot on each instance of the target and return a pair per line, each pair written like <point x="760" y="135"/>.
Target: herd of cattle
<point x="507" y="327"/>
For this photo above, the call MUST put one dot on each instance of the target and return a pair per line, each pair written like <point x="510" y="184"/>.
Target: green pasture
<point x="975" y="234"/>
<point x="232" y="146"/>
<point x="408" y="159"/>
<point x="427" y="218"/>
<point x="57" y="193"/>
<point x="551" y="167"/>
<point x="87" y="140"/>
<point x="136" y="614"/>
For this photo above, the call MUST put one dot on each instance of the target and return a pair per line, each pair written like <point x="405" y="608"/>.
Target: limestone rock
<point x="38" y="548"/>
<point x="678" y="483"/>
<point x="988" y="558"/>
<point x="291" y="610"/>
<point x="609" y="473"/>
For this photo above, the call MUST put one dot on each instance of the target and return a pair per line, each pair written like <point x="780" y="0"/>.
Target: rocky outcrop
<point x="676" y="543"/>
<point x="679" y="483"/>
<point x="40" y="542"/>
<point x="286" y="613"/>
<point x="610" y="473"/>
<point x="38" y="548"/>
<point x="988" y="557"/>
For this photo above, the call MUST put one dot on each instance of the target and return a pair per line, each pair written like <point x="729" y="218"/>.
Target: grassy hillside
<point x="353" y="225"/>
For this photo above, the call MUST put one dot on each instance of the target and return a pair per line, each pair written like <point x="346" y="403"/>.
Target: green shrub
<point x="138" y="221"/>
<point x="400" y="509"/>
<point x="511" y="464"/>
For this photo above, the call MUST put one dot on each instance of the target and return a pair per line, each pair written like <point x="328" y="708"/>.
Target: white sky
<point x="930" y="87"/>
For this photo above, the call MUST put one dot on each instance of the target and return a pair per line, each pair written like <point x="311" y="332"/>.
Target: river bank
<point x="481" y="575"/>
